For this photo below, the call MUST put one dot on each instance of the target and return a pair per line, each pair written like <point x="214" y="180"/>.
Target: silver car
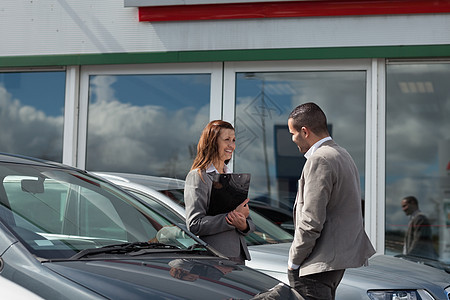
<point x="13" y="291"/>
<point x="386" y="277"/>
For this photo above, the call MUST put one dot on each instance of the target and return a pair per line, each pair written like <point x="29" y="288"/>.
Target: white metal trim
<point x="381" y="158"/>
<point x="229" y="92"/>
<point x="157" y="68"/>
<point x="82" y="119"/>
<point x="71" y="115"/>
<point x="375" y="154"/>
<point x="215" y="109"/>
<point x="142" y="3"/>
<point x="371" y="133"/>
<point x="229" y="97"/>
<point x="299" y="65"/>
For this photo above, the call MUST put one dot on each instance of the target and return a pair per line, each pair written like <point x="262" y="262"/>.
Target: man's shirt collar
<point x="315" y="146"/>
<point x="415" y="214"/>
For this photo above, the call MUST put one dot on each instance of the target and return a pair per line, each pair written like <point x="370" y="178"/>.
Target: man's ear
<point x="305" y="131"/>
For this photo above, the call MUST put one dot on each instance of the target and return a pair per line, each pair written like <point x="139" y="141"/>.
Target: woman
<point x="224" y="232"/>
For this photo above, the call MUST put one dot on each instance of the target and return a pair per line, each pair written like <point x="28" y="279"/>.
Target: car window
<point x="177" y="195"/>
<point x="57" y="213"/>
<point x="266" y="232"/>
<point x="30" y="199"/>
<point x="159" y="207"/>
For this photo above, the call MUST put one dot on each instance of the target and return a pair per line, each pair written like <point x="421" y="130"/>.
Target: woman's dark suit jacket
<point x="214" y="230"/>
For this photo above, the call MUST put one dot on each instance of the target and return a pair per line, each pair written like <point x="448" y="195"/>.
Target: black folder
<point x="227" y="192"/>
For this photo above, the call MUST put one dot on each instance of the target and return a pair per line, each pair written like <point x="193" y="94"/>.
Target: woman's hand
<point x="237" y="219"/>
<point x="243" y="208"/>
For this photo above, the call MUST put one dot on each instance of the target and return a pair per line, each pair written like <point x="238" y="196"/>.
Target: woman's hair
<point x="207" y="147"/>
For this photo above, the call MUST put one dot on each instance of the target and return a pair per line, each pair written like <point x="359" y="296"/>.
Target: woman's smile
<point x="226" y="143"/>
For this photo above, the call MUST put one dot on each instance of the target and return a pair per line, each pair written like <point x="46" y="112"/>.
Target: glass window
<point x="146" y="124"/>
<point x="418" y="159"/>
<point x="32" y="111"/>
<point x="57" y="212"/>
<point x="264" y="146"/>
<point x="159" y="207"/>
<point x="24" y="190"/>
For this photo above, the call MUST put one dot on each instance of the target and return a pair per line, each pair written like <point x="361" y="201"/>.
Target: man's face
<point x="298" y="137"/>
<point x="407" y="208"/>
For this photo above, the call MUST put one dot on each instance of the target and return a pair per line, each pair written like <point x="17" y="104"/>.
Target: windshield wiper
<point x="197" y="248"/>
<point x="123" y="248"/>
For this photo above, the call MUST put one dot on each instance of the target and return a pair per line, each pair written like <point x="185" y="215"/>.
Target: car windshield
<point x="266" y="231"/>
<point x="57" y="213"/>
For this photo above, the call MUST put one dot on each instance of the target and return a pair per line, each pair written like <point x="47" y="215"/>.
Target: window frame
<point x="375" y="125"/>
<point x="222" y="103"/>
<point x="405" y="62"/>
<point x="78" y="150"/>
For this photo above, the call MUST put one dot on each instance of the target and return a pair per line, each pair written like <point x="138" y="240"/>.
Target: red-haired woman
<point x="225" y="232"/>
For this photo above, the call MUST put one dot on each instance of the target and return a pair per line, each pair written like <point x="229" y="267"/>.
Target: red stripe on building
<point x="291" y="9"/>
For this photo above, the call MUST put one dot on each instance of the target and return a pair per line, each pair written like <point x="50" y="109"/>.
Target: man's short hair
<point x="311" y="116"/>
<point x="411" y="200"/>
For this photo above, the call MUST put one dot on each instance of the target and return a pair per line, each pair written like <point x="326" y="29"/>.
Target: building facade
<point x="128" y="85"/>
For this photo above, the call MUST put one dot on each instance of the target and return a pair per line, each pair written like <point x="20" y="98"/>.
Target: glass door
<point x="258" y="100"/>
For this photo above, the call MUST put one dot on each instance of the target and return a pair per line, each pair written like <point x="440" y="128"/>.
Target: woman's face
<point x="226" y="144"/>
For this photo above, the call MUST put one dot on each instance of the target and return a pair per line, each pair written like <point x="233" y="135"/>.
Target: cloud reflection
<point x="29" y="131"/>
<point x="145" y="139"/>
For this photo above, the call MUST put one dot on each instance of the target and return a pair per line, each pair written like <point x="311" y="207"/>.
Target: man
<point x="329" y="234"/>
<point x="418" y="240"/>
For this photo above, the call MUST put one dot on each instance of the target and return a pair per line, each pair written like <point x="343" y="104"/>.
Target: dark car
<point x="280" y="216"/>
<point x="67" y="234"/>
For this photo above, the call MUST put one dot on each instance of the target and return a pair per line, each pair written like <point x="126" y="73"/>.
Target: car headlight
<point x="400" y="295"/>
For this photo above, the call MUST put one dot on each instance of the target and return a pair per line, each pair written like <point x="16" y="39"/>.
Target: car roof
<point x="6" y="157"/>
<point x="155" y="182"/>
<point x="22" y="159"/>
<point x="125" y="181"/>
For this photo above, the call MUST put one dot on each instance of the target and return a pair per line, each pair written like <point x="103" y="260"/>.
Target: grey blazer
<point x="329" y="233"/>
<point x="212" y="229"/>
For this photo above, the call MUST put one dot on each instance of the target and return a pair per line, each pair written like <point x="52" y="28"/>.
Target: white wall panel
<point x="106" y="26"/>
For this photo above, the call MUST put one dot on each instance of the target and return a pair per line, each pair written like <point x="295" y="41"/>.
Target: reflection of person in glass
<point x="418" y="237"/>
<point x="189" y="270"/>
<point x="225" y="232"/>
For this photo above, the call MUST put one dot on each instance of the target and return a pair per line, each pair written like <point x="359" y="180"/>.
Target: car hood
<point x="383" y="272"/>
<point x="159" y="278"/>
<point x="383" y="269"/>
<point x="390" y="273"/>
<point x="271" y="259"/>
